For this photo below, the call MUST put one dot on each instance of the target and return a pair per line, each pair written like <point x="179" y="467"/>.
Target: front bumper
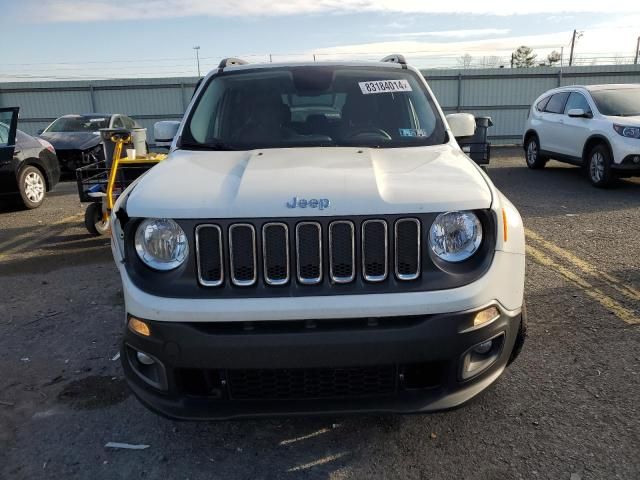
<point x="223" y="370"/>
<point x="630" y="166"/>
<point x="625" y="151"/>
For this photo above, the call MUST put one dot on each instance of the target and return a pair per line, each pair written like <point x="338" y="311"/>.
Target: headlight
<point x="629" y="132"/>
<point x="455" y="236"/>
<point x="161" y="243"/>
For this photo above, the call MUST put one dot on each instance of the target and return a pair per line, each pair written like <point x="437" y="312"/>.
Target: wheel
<point x="93" y="220"/>
<point x="599" y="166"/>
<point x="534" y="160"/>
<point x="32" y="187"/>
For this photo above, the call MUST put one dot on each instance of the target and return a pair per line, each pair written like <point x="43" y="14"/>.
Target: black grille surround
<point x="396" y="259"/>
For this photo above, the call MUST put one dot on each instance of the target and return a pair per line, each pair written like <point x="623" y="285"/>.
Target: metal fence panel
<point x="503" y="94"/>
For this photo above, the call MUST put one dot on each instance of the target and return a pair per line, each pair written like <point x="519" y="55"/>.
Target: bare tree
<point x="465" y="61"/>
<point x="619" y="59"/>
<point x="490" y="62"/>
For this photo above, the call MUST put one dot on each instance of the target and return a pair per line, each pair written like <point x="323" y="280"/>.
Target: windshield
<point x="314" y="106"/>
<point x="78" y="123"/>
<point x="624" y="102"/>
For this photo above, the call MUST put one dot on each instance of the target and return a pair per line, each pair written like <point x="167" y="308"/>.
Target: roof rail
<point x="229" y="62"/>
<point x="396" y="58"/>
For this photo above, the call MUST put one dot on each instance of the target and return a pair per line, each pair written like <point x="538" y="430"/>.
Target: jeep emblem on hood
<point x="320" y="203"/>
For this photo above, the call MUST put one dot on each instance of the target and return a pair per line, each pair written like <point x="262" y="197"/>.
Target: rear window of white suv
<point x="557" y="102"/>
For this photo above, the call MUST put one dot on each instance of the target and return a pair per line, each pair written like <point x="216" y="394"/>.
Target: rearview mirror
<point x="579" y="112"/>
<point x="462" y="124"/>
<point x="165" y="131"/>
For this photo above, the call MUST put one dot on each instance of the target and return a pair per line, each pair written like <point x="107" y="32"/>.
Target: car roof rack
<point x="395" y="58"/>
<point x="230" y="62"/>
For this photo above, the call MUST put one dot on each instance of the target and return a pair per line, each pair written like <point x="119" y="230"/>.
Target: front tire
<point x="599" y="167"/>
<point x="535" y="161"/>
<point x="32" y="187"/>
<point x="94" y="221"/>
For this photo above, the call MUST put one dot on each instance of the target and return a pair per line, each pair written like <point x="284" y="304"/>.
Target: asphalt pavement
<point x="566" y="409"/>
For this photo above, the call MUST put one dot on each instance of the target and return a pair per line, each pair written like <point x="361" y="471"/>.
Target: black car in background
<point x="76" y="138"/>
<point x="28" y="166"/>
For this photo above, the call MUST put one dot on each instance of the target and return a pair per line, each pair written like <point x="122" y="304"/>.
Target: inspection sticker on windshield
<point x="385" y="86"/>
<point x="413" y="132"/>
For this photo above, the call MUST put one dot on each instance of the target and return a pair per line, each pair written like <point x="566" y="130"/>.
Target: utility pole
<point x="197" y="49"/>
<point x="576" y="36"/>
<point x="635" y="62"/>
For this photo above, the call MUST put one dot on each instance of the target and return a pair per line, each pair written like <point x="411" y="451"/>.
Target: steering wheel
<point x="369" y="131"/>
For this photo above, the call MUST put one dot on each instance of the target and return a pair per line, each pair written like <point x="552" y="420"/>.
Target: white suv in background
<point x="596" y="126"/>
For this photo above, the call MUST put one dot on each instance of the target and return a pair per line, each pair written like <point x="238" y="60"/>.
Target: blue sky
<point x="100" y="38"/>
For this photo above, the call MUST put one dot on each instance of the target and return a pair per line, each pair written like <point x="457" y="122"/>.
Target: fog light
<point x="485" y="316"/>
<point x="481" y="356"/>
<point x="481" y="349"/>
<point x="139" y="327"/>
<point x="146" y="359"/>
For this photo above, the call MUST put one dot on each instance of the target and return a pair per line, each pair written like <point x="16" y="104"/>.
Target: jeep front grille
<point x="375" y="250"/>
<point x="407" y="248"/>
<point x="275" y="253"/>
<point x="242" y="254"/>
<point x="342" y="252"/>
<point x="209" y="255"/>
<point x="308" y="252"/>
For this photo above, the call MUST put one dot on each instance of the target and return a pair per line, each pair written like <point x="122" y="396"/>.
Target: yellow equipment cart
<point x="101" y="183"/>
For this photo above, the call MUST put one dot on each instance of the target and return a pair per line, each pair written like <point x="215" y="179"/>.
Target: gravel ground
<point x="567" y="409"/>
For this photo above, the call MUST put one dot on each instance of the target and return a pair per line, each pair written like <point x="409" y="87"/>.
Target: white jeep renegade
<point x="316" y="241"/>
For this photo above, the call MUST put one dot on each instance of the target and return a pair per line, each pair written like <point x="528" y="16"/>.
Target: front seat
<point x="266" y="121"/>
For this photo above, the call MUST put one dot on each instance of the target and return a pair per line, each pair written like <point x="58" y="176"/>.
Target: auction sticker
<point x="413" y="132"/>
<point x="385" y="86"/>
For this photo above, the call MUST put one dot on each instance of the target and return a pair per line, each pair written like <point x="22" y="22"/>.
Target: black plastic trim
<point x="183" y="281"/>
<point x="431" y="339"/>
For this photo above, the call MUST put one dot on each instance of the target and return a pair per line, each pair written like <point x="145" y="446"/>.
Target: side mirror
<point x="579" y="113"/>
<point x="165" y="131"/>
<point x="462" y="124"/>
<point x="40" y="131"/>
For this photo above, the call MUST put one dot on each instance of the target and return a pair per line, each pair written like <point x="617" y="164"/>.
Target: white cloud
<point x="607" y="41"/>
<point x="480" y="32"/>
<point x="97" y="10"/>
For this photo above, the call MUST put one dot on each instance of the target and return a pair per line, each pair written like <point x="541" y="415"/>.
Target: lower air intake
<point x="310" y="383"/>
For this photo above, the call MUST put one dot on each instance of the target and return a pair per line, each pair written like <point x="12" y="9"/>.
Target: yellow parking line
<point x="585" y="267"/>
<point x="623" y="313"/>
<point x="37" y="235"/>
<point x="318" y="462"/>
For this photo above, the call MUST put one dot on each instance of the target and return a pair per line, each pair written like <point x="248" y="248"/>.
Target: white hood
<point x="633" y="121"/>
<point x="356" y="181"/>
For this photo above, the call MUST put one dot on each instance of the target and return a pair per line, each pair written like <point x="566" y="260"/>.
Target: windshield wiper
<point x="216" y="146"/>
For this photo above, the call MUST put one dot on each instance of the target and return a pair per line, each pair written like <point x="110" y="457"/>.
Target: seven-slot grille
<point x="300" y="252"/>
